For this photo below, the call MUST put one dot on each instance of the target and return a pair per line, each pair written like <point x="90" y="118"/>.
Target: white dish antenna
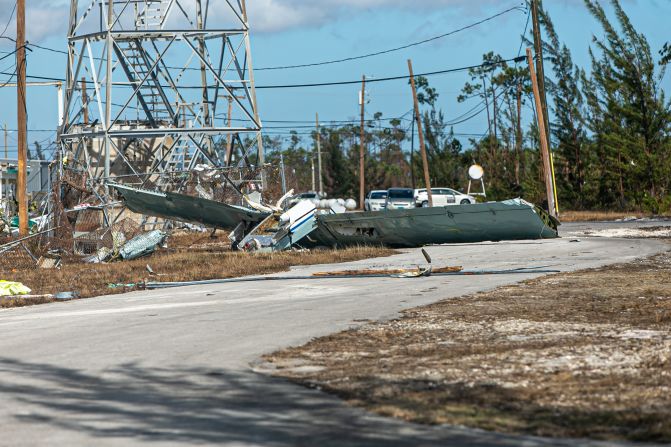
<point x="476" y="172"/>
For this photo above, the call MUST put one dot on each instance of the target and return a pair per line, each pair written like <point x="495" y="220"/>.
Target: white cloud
<point x="280" y="15"/>
<point x="43" y="18"/>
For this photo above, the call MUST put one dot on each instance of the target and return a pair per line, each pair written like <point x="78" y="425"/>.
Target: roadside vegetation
<point x="596" y="216"/>
<point x="584" y="354"/>
<point x="609" y="126"/>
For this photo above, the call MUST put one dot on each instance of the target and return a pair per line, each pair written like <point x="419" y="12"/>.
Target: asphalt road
<point x="172" y="367"/>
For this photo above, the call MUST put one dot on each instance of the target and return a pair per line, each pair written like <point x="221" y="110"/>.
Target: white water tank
<point x="350" y="204"/>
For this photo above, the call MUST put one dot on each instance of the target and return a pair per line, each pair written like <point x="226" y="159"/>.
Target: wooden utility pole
<point x="545" y="149"/>
<point x="319" y="157"/>
<point x="540" y="71"/>
<point x="21" y="115"/>
<point x="362" y="181"/>
<point x="422" y="147"/>
<point x="518" y="136"/>
<point x="540" y="78"/>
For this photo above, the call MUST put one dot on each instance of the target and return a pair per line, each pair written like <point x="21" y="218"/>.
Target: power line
<point x="390" y="78"/>
<point x="9" y="21"/>
<point x="524" y="33"/>
<point x="346" y="59"/>
<point x="391" y="50"/>
<point x="336" y="83"/>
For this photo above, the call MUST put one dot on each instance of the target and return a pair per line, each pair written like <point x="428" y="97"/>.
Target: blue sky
<point x="288" y="32"/>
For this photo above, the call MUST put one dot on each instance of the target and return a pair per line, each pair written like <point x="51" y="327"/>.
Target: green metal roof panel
<point x="185" y="208"/>
<point x="494" y="221"/>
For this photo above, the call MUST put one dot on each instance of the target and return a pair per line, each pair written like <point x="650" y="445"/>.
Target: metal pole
<point x="248" y="48"/>
<point x="85" y="101"/>
<point x="362" y="182"/>
<point x="108" y="87"/>
<point x="412" y="156"/>
<point x="229" y="137"/>
<point x="21" y="115"/>
<point x="319" y="159"/>
<point x="284" y="178"/>
<point x="312" y="171"/>
<point x="422" y="147"/>
<point x="6" y="147"/>
<point x="545" y="150"/>
<point x="61" y="105"/>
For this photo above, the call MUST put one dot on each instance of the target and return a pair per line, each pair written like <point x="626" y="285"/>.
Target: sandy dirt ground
<point x="584" y="354"/>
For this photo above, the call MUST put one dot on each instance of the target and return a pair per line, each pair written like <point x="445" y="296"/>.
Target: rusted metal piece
<point x="390" y="272"/>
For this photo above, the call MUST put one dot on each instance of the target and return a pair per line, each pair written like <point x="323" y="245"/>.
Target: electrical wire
<point x="391" y="50"/>
<point x="390" y="78"/>
<point x="526" y="27"/>
<point x="339" y="83"/>
<point x="11" y="16"/>
<point x="346" y="59"/>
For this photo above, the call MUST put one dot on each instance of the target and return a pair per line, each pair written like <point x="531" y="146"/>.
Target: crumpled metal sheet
<point x="415" y="227"/>
<point x="142" y="245"/>
<point x="185" y="208"/>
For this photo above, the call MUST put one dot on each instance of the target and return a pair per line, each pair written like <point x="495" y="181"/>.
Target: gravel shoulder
<point x="585" y="354"/>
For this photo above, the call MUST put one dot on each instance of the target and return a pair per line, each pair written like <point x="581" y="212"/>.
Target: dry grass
<point x="584" y="354"/>
<point x="200" y="261"/>
<point x="591" y="216"/>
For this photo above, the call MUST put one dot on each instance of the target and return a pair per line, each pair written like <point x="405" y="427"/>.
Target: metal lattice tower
<point x="157" y="86"/>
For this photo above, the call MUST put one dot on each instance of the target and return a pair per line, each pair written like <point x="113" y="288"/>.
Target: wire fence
<point x="83" y="220"/>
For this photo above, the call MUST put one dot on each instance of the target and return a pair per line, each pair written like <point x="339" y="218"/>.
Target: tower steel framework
<point x="159" y="86"/>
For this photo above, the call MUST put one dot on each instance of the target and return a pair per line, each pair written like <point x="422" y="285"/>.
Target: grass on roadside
<point x="583" y="354"/>
<point x="591" y="216"/>
<point x="199" y="262"/>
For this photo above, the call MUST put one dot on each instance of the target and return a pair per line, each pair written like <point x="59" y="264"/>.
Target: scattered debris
<point x="66" y="296"/>
<point x="12" y="244"/>
<point x="142" y="245"/>
<point x="263" y="227"/>
<point x="124" y="286"/>
<point x="11" y="288"/>
<point x="49" y="263"/>
<point x="25" y="297"/>
<point x="404" y="273"/>
<point x="102" y="255"/>
<point x="195" y="210"/>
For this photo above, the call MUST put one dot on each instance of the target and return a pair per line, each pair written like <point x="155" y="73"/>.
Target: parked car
<point x="442" y="197"/>
<point x="375" y="200"/>
<point x="400" y="199"/>
<point x="311" y="196"/>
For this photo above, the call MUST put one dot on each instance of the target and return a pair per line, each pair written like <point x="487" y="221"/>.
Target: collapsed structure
<point x="303" y="225"/>
<point x="156" y="87"/>
<point x="161" y="118"/>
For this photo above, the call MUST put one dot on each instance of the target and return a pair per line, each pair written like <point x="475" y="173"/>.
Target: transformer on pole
<point x="170" y="83"/>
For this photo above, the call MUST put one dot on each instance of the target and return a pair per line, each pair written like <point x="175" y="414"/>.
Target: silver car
<point x="400" y="199"/>
<point x="375" y="200"/>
